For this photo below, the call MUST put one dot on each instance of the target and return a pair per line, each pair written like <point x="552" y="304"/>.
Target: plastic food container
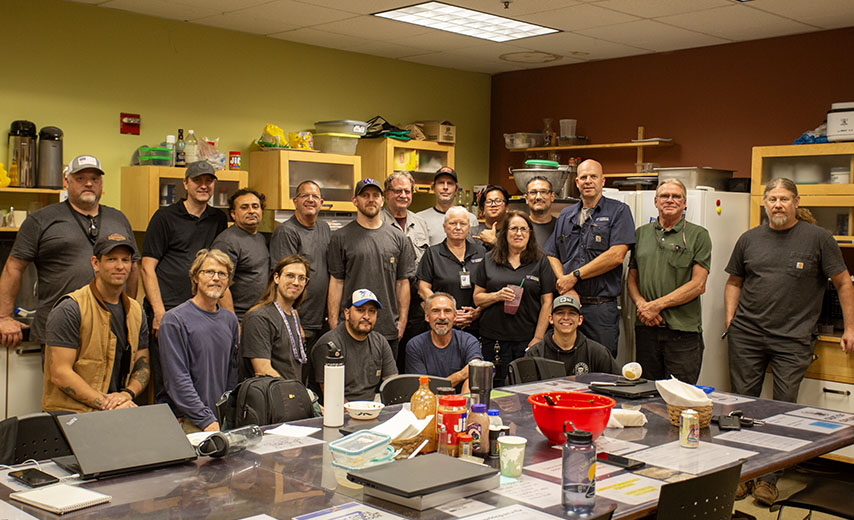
<point x="341" y="126"/>
<point x="343" y="144"/>
<point x="155" y="156"/>
<point x="360" y="448"/>
<point x="523" y="140"/>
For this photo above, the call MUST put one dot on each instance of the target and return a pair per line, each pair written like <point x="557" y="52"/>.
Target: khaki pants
<point x="188" y="426"/>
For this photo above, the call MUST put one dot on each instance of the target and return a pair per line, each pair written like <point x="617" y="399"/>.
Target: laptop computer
<point x="115" y="442"/>
<point x="627" y="391"/>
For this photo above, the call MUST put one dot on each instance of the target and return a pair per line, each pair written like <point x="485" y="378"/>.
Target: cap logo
<point x="369" y="180"/>
<point x="117" y="237"/>
<point x="87" y="159"/>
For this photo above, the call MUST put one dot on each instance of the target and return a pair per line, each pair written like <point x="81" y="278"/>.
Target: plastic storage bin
<point x="155" y="156"/>
<point x="359" y="449"/>
<point x="523" y="140"/>
<point x="343" y="144"/>
<point x="341" y="126"/>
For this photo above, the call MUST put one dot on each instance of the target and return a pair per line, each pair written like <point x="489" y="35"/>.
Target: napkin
<point x="621" y="418"/>
<point x="676" y="393"/>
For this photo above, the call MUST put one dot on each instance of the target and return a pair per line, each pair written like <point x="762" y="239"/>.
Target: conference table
<point x="300" y="478"/>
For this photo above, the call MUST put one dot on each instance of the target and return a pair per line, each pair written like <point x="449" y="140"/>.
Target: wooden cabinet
<point x="26" y="199"/>
<point x="381" y="157"/>
<point x="278" y="173"/>
<point x="145" y="189"/>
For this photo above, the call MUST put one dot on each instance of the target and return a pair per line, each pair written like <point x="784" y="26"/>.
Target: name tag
<point x="603" y="219"/>
<point x="465" y="280"/>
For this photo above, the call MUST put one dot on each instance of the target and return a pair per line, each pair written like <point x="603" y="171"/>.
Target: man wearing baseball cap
<point x="445" y="187"/>
<point x="116" y="367"/>
<point x="175" y="234"/>
<point x="370" y="254"/>
<point x="368" y="359"/>
<point x="567" y="344"/>
<point x="58" y="239"/>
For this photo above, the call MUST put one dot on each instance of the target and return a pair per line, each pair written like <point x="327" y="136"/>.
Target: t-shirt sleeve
<point x="425" y="268"/>
<point x="547" y="277"/>
<point x="471" y="347"/>
<point x="255" y="343"/>
<point x="735" y="266"/>
<point x="550" y="247"/>
<point x="335" y="261"/>
<point x="175" y="364"/>
<point x="26" y="246"/>
<point x="623" y="227"/>
<point x="415" y="357"/>
<point x="285" y="241"/>
<point x="703" y="250"/>
<point x="227" y="245"/>
<point x="156" y="240"/>
<point x="478" y="275"/>
<point x="389" y="365"/>
<point x="633" y="261"/>
<point x="63" y="325"/>
<point x="831" y="256"/>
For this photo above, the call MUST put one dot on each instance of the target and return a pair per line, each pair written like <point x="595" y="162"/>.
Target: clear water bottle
<point x="578" y="480"/>
<point x="191" y="149"/>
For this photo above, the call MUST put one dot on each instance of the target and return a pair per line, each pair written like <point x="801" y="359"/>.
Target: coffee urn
<point x="50" y="157"/>
<point x="22" y="154"/>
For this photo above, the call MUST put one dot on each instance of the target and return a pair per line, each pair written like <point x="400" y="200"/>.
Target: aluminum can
<point x="689" y="429"/>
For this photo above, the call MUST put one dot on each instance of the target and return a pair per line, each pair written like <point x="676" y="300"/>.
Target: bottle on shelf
<point x="180" y="154"/>
<point x="578" y="479"/>
<point x="170" y="143"/>
<point x="191" y="150"/>
<point x="423" y="404"/>
<point x="458" y="200"/>
<point x="467" y="200"/>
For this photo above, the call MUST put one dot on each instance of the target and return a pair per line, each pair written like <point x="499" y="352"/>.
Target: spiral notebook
<point x="61" y="498"/>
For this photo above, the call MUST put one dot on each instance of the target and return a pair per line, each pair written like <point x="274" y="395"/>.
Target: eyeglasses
<point x="535" y="193"/>
<point x="310" y="196"/>
<point x="210" y="273"/>
<point x="674" y="196"/>
<point x="494" y="202"/>
<point x="400" y="192"/>
<point x="301" y="278"/>
<point x="515" y="230"/>
<point x="93" y="228"/>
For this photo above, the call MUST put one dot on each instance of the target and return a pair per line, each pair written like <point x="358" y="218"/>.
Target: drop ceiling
<point x="590" y="29"/>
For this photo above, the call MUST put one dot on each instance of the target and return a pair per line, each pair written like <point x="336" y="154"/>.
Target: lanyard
<point x="297" y="348"/>
<point x="92" y="220"/>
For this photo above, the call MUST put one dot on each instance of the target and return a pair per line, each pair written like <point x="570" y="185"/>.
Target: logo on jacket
<point x="580" y="368"/>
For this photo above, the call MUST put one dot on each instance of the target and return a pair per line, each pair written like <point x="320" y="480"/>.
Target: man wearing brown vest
<point x="97" y="339"/>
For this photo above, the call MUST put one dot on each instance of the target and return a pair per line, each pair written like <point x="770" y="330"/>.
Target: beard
<point x="441" y="328"/>
<point x="779" y="220"/>
<point x="213" y="291"/>
<point x="370" y="211"/>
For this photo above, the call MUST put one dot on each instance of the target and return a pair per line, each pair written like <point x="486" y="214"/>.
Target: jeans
<point x="750" y="355"/>
<point x="602" y="324"/>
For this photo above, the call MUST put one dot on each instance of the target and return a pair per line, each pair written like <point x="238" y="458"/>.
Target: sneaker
<point x="743" y="489"/>
<point x="765" y="492"/>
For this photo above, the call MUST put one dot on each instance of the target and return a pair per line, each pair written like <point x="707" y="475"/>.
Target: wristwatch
<point x="577" y="274"/>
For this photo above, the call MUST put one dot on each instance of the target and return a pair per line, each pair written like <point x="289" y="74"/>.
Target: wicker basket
<point x="705" y="413"/>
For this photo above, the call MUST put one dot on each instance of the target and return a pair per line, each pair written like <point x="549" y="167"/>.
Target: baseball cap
<point x="83" y="162"/>
<point x="364" y="183"/>
<point x="199" y="168"/>
<point x="566" y="301"/>
<point x="363" y="296"/>
<point x="445" y="170"/>
<point x="105" y="245"/>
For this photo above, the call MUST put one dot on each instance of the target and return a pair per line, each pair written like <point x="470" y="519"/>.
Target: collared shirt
<point x="441" y="269"/>
<point x="610" y="224"/>
<point x="665" y="261"/>
<point x="416" y="231"/>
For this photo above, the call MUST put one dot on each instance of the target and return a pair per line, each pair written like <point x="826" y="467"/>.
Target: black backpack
<point x="264" y="400"/>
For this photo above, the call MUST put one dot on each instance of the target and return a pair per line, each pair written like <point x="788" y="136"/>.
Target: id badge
<point x="465" y="280"/>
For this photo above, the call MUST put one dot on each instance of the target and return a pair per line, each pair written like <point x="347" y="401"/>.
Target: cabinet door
<point x="337" y="182"/>
<point x="819" y="169"/>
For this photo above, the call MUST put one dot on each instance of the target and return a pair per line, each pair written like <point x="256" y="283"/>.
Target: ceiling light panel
<point x="444" y="17"/>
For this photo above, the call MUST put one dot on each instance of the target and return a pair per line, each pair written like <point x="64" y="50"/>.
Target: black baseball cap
<point x="446" y="170"/>
<point x="104" y="245"/>
<point x="364" y="183"/>
<point x="199" y="168"/>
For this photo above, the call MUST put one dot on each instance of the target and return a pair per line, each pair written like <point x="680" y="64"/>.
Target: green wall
<point x="77" y="67"/>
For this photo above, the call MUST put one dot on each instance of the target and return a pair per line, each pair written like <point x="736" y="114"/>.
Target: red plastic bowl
<point x="588" y="412"/>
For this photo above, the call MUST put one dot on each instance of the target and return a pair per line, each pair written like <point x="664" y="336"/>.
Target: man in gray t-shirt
<point x="247" y="249"/>
<point x="367" y="253"/>
<point x="305" y="234"/>
<point x="58" y="239"/>
<point x="445" y="188"/>
<point x="368" y="359"/>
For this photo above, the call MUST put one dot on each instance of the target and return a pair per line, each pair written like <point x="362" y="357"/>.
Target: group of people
<point x="399" y="291"/>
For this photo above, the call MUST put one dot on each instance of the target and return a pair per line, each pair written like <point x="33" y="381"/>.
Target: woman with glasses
<point x="493" y="202"/>
<point x="272" y="342"/>
<point x="508" y="325"/>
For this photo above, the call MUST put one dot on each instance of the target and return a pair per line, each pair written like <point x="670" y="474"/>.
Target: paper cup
<point x="511" y="454"/>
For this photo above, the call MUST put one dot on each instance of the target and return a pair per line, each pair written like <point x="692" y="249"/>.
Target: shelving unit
<point x="22" y="197"/>
<point x="378" y="157"/>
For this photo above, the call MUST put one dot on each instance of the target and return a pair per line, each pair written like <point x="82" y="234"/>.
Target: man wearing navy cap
<point x="368" y="253"/>
<point x="445" y="187"/>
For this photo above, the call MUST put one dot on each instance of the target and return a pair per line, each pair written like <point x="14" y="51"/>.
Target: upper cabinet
<point x="381" y="157"/>
<point x="278" y="173"/>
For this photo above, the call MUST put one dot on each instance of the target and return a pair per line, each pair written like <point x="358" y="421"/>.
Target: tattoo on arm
<point x="98" y="402"/>
<point x="141" y="371"/>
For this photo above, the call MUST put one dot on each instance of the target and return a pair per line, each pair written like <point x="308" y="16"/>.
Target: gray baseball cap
<point x="198" y="169"/>
<point x="83" y="162"/>
<point x="566" y="301"/>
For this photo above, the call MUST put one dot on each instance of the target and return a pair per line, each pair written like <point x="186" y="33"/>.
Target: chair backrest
<point x="399" y="389"/>
<point x="550" y="368"/>
<point x="710" y="497"/>
<point x="522" y="370"/>
<point x="38" y="437"/>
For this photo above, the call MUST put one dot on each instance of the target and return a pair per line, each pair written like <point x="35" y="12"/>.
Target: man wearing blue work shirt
<point x="586" y="252"/>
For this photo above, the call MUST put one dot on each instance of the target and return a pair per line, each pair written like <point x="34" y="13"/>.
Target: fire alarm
<point x="129" y="123"/>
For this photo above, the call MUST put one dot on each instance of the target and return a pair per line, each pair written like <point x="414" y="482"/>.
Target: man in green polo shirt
<point x="667" y="275"/>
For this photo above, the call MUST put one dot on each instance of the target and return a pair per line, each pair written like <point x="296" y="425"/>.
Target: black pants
<point x="664" y="352"/>
<point x="602" y="324"/>
<point x="507" y="352"/>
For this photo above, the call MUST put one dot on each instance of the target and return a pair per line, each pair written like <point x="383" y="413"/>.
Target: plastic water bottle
<point x="494" y="418"/>
<point x="578" y="480"/>
<point x="191" y="148"/>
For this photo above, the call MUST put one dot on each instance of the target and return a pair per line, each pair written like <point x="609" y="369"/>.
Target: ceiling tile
<point x="579" y="17"/>
<point x="648" y="34"/>
<point x="312" y="36"/>
<point x="90" y="2"/>
<point x="249" y="22"/>
<point x="161" y="9"/>
<point x="361" y="6"/>
<point x="373" y="27"/>
<point x="827" y="14"/>
<point x="293" y="13"/>
<point x="223" y="6"/>
<point x="516" y="8"/>
<point x="656" y="8"/>
<point x="592" y="48"/>
<point x="436" y="40"/>
<point x="736" y="22"/>
<point x="464" y="63"/>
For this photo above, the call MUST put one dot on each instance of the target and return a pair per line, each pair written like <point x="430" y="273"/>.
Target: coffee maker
<point x="50" y="157"/>
<point x="22" y="154"/>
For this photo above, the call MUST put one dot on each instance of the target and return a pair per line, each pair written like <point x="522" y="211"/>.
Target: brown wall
<point x="716" y="103"/>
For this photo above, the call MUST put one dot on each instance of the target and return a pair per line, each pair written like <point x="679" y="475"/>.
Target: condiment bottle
<point x="477" y="425"/>
<point x="444" y="441"/>
<point x="423" y="404"/>
<point x="465" y="444"/>
<point x="578" y="479"/>
<point x="452" y="414"/>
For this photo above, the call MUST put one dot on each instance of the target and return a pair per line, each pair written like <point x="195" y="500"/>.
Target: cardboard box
<point x="439" y="131"/>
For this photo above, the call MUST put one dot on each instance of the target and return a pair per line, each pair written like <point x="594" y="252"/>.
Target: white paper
<point x="531" y="490"/>
<point x="198" y="437"/>
<point x="722" y="398"/>
<point x="824" y="415"/>
<point x="10" y="512"/>
<point x="629" y="489"/>
<point x="349" y="511"/>
<point x="274" y="443"/>
<point x="464" y="507"/>
<point x="258" y="517"/>
<point x="554" y="468"/>
<point x="514" y="512"/>
<point x="403" y="425"/>
<point x="291" y="430"/>
<point x="803" y="423"/>
<point x="697" y="460"/>
<point x="558" y="385"/>
<point x="763" y="440"/>
<point x="616" y="446"/>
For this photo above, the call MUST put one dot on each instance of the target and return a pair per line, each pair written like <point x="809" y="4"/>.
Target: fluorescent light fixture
<point x="450" y="18"/>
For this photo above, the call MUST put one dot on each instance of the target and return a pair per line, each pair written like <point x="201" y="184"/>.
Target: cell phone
<point x="33" y="477"/>
<point x="619" y="461"/>
<point x="729" y="422"/>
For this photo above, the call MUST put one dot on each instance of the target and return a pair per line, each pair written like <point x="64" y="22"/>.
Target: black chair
<point x="710" y="496"/>
<point x="831" y="497"/>
<point x="399" y="389"/>
<point x="530" y="369"/>
<point x="35" y="436"/>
